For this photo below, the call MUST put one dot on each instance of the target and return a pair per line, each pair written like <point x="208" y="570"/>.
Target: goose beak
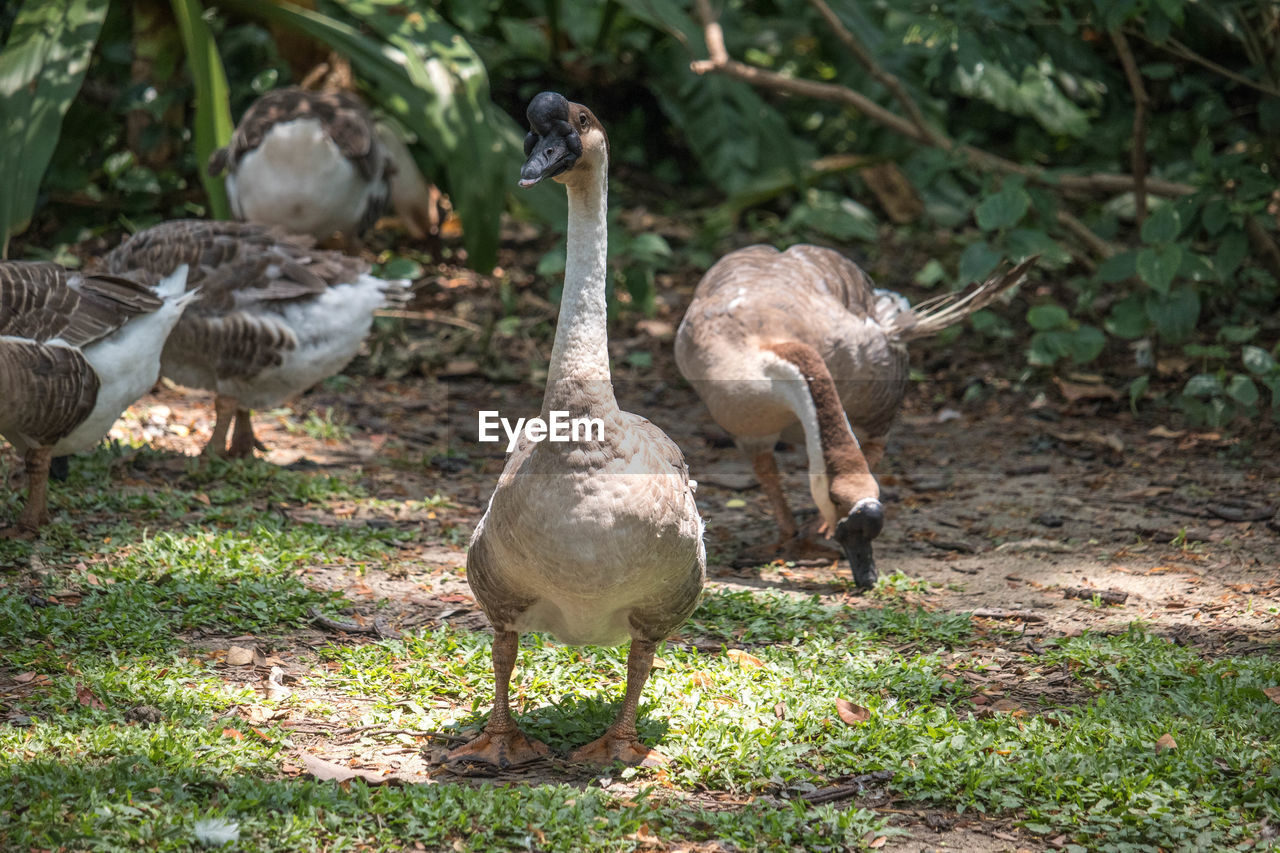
<point x="855" y="535"/>
<point x="552" y="145"/>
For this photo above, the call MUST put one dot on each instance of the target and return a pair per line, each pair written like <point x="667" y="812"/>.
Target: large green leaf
<point x="213" y="124"/>
<point x="424" y="73"/>
<point x="41" y="68"/>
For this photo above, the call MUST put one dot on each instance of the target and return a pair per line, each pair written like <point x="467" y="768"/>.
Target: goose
<point x="594" y="541"/>
<point x="772" y="339"/>
<point x="274" y="317"/>
<point x="76" y="350"/>
<point x="308" y="162"/>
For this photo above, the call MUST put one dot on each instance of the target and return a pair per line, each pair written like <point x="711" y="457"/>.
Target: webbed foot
<point x="498" y="750"/>
<point x="609" y="749"/>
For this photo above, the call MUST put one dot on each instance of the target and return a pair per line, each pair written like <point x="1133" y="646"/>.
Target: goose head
<point x="563" y="137"/>
<point x="860" y="519"/>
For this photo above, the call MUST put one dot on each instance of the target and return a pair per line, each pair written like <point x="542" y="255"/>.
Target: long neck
<point x="834" y="454"/>
<point x="578" y="376"/>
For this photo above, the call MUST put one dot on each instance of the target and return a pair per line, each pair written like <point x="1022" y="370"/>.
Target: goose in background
<point x="76" y="350"/>
<point x="308" y="162"/>
<point x="274" y="317"/>
<point x="594" y="541"/>
<point x="772" y="339"/>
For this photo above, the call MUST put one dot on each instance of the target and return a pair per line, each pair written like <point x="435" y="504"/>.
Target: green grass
<point x="140" y="572"/>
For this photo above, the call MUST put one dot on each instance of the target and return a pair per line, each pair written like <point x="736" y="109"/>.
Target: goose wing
<point x="47" y="313"/>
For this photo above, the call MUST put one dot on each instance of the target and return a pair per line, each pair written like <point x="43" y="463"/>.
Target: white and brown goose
<point x="775" y="339"/>
<point x="308" y="162"/>
<point x="595" y="541"/>
<point x="76" y="350"/>
<point x="274" y="317"/>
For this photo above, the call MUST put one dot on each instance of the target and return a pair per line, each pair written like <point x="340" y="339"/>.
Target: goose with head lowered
<point x="274" y="317"/>
<point x="76" y="350"/>
<point x="772" y="339"/>
<point x="596" y="541"/>
<point x="308" y="162"/>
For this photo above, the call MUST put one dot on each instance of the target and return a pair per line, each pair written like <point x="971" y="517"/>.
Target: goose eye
<point x="583" y="120"/>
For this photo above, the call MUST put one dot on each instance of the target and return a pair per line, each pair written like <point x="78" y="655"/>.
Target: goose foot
<point x="498" y="750"/>
<point x="609" y="749"/>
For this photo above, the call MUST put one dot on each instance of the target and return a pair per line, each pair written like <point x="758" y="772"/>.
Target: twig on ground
<point x="1107" y="596"/>
<point x="1001" y="613"/>
<point x="844" y="790"/>
<point x="427" y="316"/>
<point x="378" y="626"/>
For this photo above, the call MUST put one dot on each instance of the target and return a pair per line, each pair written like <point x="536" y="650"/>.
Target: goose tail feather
<point x="933" y="315"/>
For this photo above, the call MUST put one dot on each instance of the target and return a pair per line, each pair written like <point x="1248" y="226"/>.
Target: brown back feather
<point x="343" y="116"/>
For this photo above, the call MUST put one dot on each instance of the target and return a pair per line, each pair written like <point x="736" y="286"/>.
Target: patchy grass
<point x="148" y="552"/>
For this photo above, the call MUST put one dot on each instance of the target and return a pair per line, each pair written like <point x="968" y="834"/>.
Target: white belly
<point x="299" y="180"/>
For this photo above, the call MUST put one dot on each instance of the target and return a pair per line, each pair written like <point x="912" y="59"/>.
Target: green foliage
<point x="41" y="68"/>
<point x="213" y="124"/>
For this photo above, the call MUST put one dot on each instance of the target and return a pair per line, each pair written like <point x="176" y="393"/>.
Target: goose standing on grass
<point x="595" y="541"/>
<point x="76" y="350"/>
<point x="308" y="162"/>
<point x="275" y="315"/>
<point x="774" y="338"/>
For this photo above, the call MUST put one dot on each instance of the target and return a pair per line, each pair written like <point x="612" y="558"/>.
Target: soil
<point x="998" y="497"/>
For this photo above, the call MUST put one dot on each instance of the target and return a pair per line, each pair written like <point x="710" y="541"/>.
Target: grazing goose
<point x="308" y="162"/>
<point x="76" y="350"/>
<point x="594" y="541"/>
<point x="772" y="338"/>
<point x="275" y="315"/>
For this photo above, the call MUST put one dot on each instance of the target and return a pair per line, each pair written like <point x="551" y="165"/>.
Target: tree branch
<point x="877" y="71"/>
<point x="720" y="63"/>
<point x="1138" y="155"/>
<point x="1181" y="51"/>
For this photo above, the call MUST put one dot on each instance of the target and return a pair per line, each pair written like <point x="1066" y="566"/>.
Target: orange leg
<point x="243" y="441"/>
<point x="224" y="409"/>
<point x="766" y="468"/>
<point x="621" y="742"/>
<point x="35" y="513"/>
<point x="501" y="744"/>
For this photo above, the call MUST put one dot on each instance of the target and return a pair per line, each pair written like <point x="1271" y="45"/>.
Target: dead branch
<point x="1180" y="50"/>
<point x="877" y="71"/>
<point x="1106" y="596"/>
<point x="377" y="627"/>
<point x="1001" y="613"/>
<point x="720" y="63"/>
<point x="428" y="317"/>
<point x="1085" y="235"/>
<point x="845" y="790"/>
<point x="1138" y="155"/>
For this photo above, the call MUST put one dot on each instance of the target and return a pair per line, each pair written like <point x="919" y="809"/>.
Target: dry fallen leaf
<point x="234" y="734"/>
<point x="85" y="696"/>
<point x="745" y="660"/>
<point x="877" y="842"/>
<point x="1166" y="741"/>
<point x="1273" y="693"/>
<point x="23" y="677"/>
<point x="239" y="656"/>
<point x="702" y="679"/>
<point x="780" y="711"/>
<point x="852" y="714"/>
